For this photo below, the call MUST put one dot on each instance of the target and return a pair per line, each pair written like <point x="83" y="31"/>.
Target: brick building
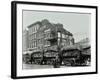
<point x="44" y="34"/>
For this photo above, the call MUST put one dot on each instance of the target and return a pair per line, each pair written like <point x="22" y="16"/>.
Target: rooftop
<point x="54" y="27"/>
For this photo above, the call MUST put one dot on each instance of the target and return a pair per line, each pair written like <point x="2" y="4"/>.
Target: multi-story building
<point x="45" y="39"/>
<point x="51" y="34"/>
<point x="44" y="34"/>
<point x="32" y="36"/>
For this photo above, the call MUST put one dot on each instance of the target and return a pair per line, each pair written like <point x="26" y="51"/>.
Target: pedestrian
<point x="56" y="62"/>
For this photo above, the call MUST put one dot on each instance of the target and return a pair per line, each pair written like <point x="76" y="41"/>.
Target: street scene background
<point x="56" y="39"/>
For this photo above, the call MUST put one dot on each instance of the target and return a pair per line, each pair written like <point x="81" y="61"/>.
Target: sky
<point x="79" y="24"/>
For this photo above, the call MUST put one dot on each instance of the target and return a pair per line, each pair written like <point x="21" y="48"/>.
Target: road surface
<point x="35" y="66"/>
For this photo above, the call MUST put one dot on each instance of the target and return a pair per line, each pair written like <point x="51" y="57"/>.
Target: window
<point x="66" y="36"/>
<point x="34" y="35"/>
<point x="33" y="29"/>
<point x="33" y="44"/>
<point x="39" y="41"/>
<point x="29" y="31"/>
<point x="63" y="36"/>
<point x="30" y="37"/>
<point x="36" y="43"/>
<point x="70" y="37"/>
<point x="47" y="42"/>
<point x="37" y="27"/>
<point x="63" y="42"/>
<point x="47" y="34"/>
<point x="44" y="35"/>
<point x="50" y="35"/>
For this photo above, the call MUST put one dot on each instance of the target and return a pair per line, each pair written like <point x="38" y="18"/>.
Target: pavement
<point x="35" y="66"/>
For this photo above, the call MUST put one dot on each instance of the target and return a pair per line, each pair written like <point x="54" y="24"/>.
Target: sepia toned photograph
<point x="56" y="39"/>
<point x="53" y="39"/>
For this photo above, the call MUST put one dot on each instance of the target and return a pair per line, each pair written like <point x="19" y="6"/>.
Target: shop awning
<point x="70" y="48"/>
<point x="37" y="51"/>
<point x="76" y="47"/>
<point x="27" y="52"/>
<point x="86" y="50"/>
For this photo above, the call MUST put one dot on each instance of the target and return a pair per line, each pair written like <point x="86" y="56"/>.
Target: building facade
<point x="43" y="35"/>
<point x="32" y="36"/>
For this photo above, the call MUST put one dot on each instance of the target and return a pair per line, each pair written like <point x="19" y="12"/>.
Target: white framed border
<point x="68" y="70"/>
